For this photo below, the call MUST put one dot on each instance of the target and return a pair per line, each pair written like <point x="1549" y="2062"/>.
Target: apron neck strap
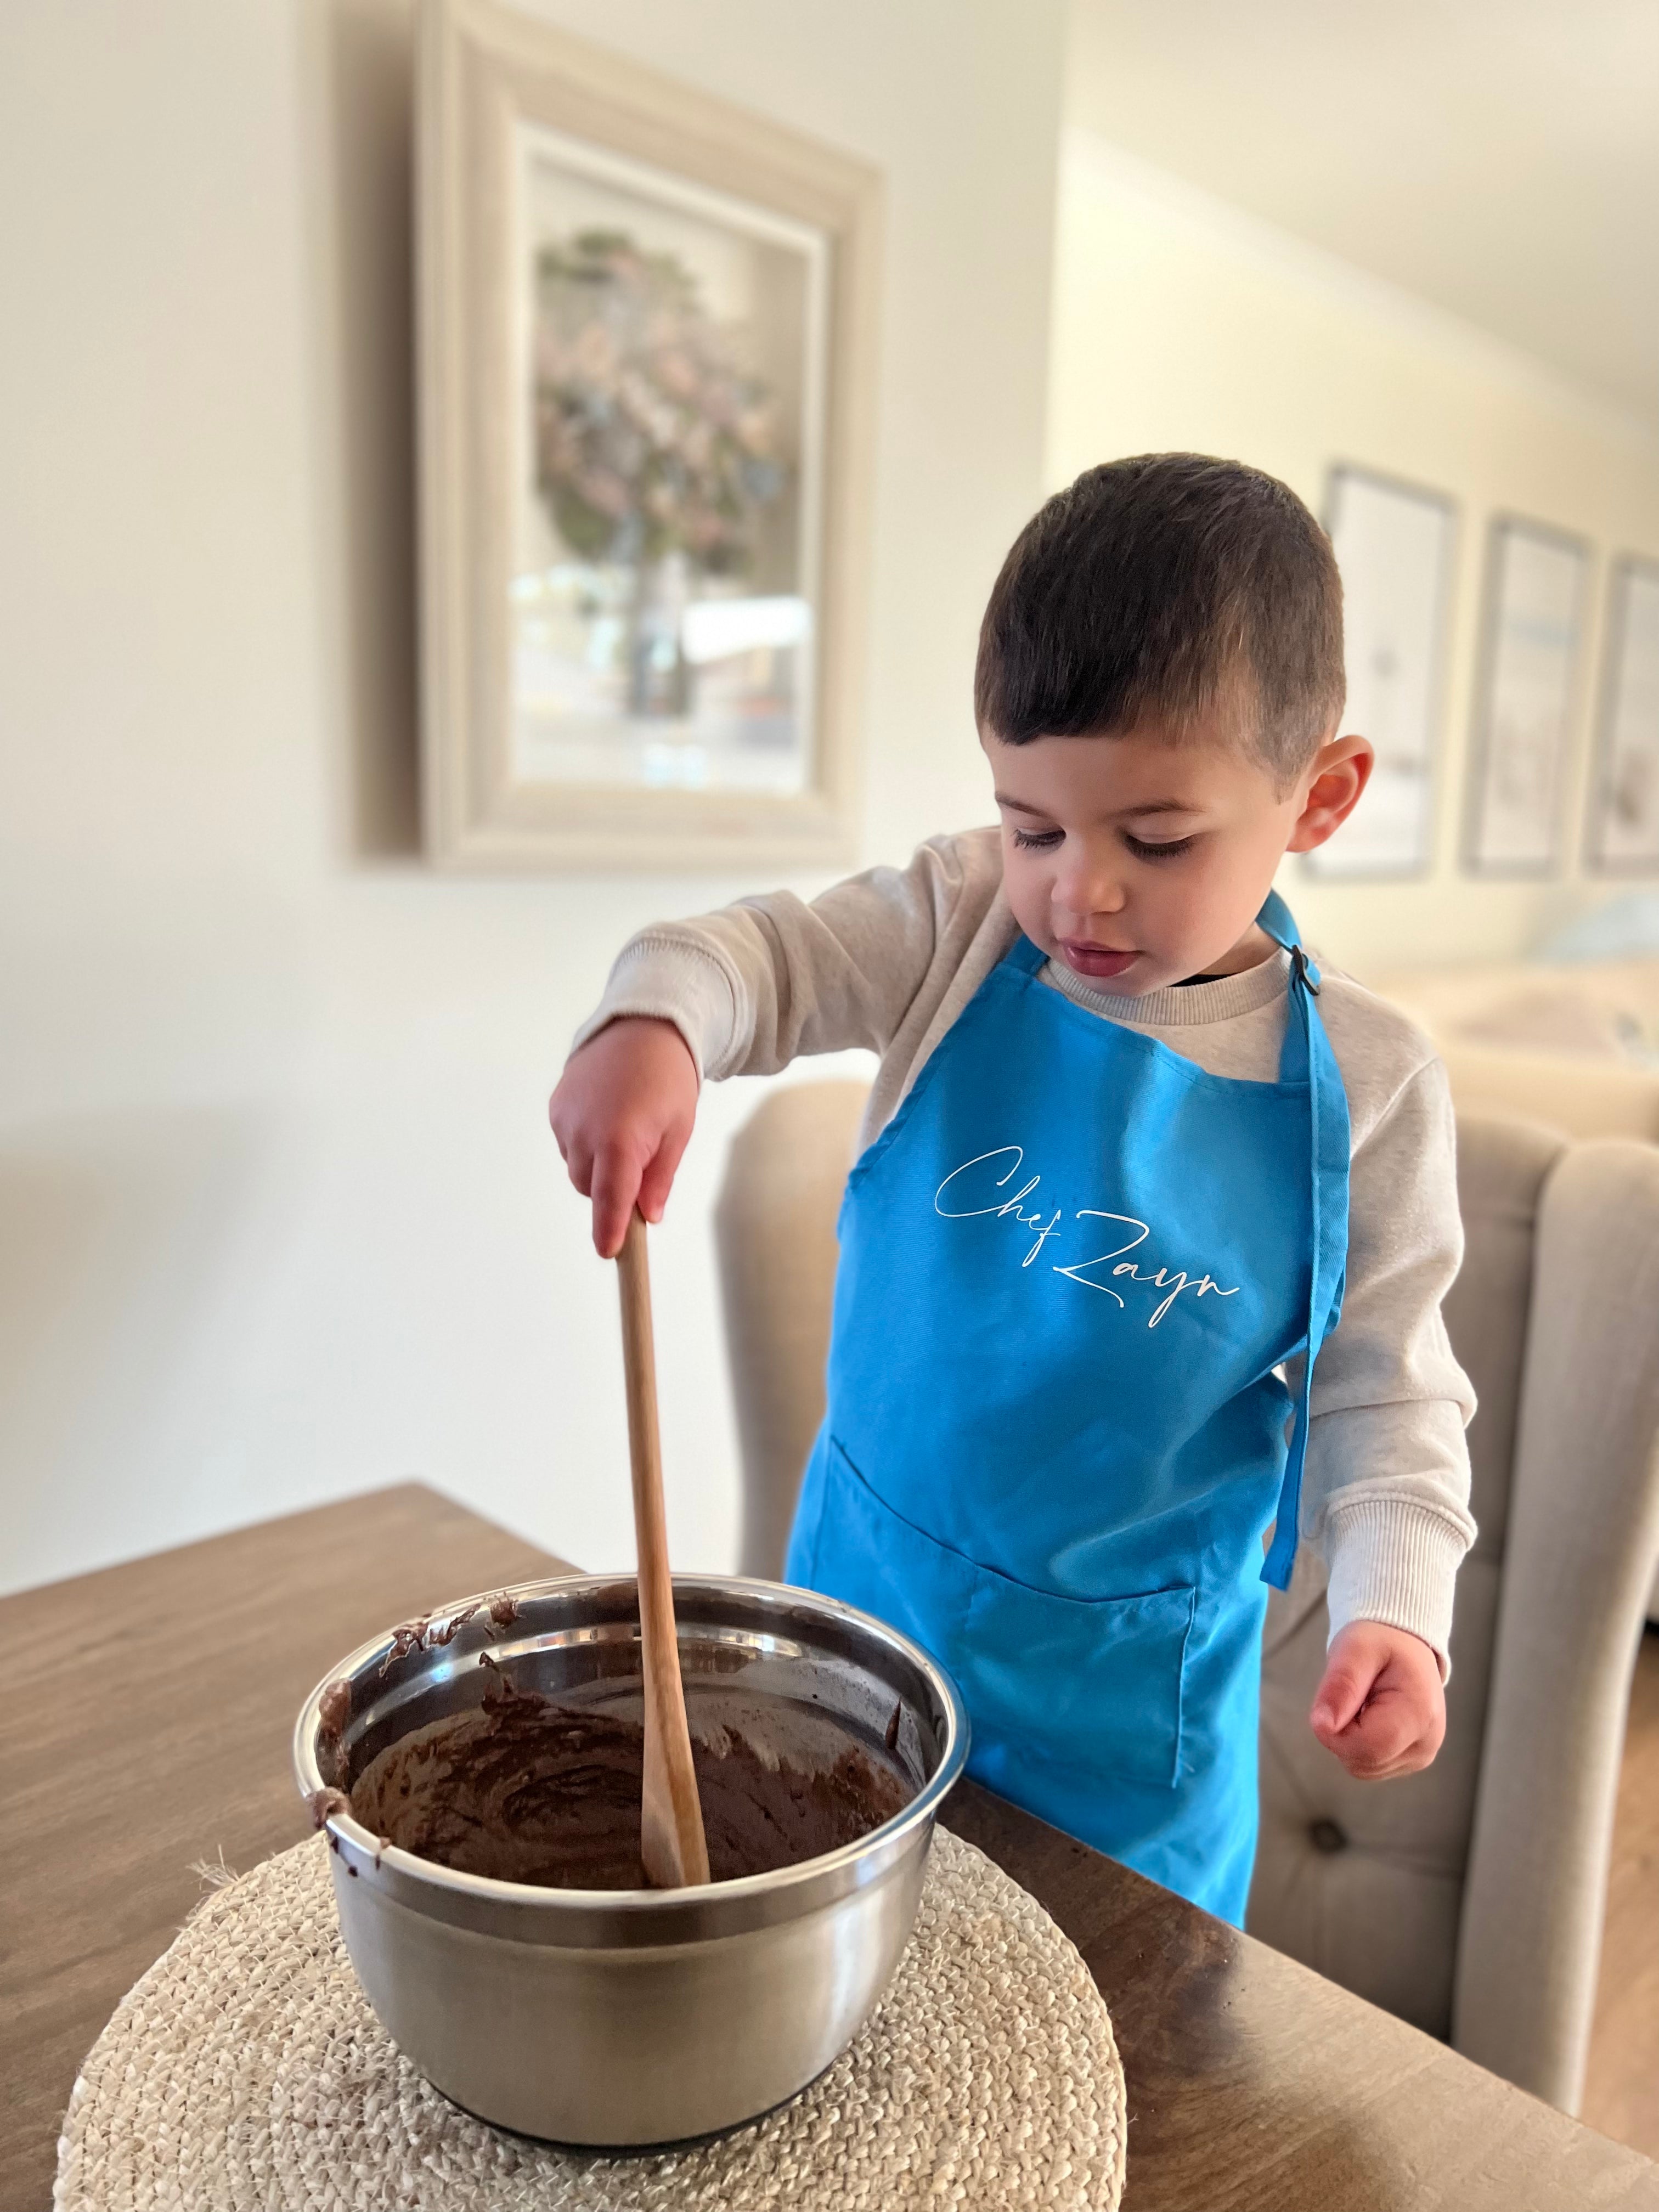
<point x="1296" y="1059"/>
<point x="1277" y="920"/>
<point x="1307" y="1058"/>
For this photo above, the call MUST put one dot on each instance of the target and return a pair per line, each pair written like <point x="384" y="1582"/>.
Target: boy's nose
<point x="1087" y="887"/>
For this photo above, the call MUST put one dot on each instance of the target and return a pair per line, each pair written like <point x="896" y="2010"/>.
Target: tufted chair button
<point x="1325" y="1836"/>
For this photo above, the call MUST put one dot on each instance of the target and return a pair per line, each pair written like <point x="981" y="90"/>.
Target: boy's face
<point x="1144" y="859"/>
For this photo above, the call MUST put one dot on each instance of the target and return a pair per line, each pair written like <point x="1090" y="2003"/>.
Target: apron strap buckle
<point x="1307" y="974"/>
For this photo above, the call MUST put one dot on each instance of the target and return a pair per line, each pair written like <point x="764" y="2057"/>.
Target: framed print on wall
<point x="646" y="364"/>
<point x="1394" y="547"/>
<point x="1623" y="816"/>
<point x="1536" y="581"/>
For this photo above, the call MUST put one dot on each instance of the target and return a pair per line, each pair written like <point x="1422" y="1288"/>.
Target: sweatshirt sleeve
<point x="760" y="983"/>
<point x="1386" y="1492"/>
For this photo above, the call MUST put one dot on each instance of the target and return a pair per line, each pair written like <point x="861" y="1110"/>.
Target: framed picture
<point x="1394" y="546"/>
<point x="1536" y="581"/>
<point x="647" y="362"/>
<point x="1624" y="808"/>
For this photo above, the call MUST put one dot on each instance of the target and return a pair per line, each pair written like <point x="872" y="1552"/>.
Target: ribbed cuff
<point x="1396" y="1561"/>
<point x="666" y="980"/>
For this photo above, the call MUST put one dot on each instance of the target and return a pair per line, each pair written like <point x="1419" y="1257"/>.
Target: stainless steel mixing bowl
<point x="627" y="2017"/>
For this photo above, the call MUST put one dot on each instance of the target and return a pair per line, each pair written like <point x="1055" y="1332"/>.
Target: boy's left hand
<point x="1380" y="1706"/>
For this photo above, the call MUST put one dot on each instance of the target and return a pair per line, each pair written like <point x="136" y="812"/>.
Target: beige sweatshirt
<point x="888" y="960"/>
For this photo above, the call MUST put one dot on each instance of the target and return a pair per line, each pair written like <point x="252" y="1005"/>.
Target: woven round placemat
<point x="246" y="2069"/>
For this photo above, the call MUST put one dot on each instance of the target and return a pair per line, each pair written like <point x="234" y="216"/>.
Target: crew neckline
<point x="1178" y="1005"/>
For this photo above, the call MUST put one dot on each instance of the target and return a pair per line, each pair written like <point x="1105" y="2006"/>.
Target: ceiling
<point x="1499" y="157"/>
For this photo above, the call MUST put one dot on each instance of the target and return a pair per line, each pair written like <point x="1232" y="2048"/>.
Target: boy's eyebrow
<point x="1151" y="806"/>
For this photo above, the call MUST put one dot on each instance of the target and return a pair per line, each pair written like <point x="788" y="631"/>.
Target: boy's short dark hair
<point x="1149" y="586"/>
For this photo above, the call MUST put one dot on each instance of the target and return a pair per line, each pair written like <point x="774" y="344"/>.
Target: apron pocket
<point x="1088" y="1684"/>
<point x="870" y="1557"/>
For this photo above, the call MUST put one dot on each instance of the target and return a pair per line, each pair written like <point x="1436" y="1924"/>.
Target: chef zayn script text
<point x="990" y="1173"/>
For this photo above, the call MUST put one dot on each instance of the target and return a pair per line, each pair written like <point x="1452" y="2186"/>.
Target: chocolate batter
<point x="530" y="1791"/>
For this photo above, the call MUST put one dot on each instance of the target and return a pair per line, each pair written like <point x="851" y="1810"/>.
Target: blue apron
<point x="1055" y="1439"/>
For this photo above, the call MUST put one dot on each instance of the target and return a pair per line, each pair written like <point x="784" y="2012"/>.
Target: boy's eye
<point x="1037" y="841"/>
<point x="1142" y="851"/>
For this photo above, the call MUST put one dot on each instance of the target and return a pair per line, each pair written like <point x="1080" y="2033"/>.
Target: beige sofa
<point x="1572" y="1044"/>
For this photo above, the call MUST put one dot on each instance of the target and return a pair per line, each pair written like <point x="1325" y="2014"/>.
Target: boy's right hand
<point x="623" y="1115"/>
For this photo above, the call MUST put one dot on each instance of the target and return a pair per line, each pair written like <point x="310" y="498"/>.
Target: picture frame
<point x="647" y="330"/>
<point x="1622" y="832"/>
<point x="1395" y="544"/>
<point x="1527" y="703"/>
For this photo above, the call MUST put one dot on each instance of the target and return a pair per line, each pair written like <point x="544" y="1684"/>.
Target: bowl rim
<point x="489" y="1889"/>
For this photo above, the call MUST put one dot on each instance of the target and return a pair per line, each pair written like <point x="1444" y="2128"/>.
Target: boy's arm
<point x="1386" y="1486"/>
<point x="742" y="993"/>
<point x="754" y="986"/>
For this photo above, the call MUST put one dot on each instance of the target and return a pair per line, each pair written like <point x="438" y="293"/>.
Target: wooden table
<point x="163" y="1741"/>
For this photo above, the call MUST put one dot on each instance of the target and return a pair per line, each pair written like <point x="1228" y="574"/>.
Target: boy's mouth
<point x="1095" y="959"/>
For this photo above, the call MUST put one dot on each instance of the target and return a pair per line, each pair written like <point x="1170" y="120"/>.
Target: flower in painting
<point x="650" y="437"/>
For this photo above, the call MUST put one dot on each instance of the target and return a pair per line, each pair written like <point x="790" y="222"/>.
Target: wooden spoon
<point x="671" y="1841"/>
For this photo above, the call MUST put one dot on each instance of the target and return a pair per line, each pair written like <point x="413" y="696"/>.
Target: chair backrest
<point x="774" y="1230"/>
<point x="1467" y="1899"/>
<point x="1366" y="1884"/>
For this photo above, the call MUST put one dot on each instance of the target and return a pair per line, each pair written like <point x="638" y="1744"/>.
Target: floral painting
<point x="650" y="437"/>
<point x="663" y="586"/>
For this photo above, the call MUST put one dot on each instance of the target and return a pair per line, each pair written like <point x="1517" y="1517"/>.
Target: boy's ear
<point x="1341" y="769"/>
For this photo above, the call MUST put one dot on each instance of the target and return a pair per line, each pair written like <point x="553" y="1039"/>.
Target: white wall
<point x="279" y="1216"/>
<point x="1180" y="324"/>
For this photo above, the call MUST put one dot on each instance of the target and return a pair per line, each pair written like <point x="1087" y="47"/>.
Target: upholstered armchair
<point x="1467" y="1899"/>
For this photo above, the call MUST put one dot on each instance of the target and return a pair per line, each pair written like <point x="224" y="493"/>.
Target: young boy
<point x="1127" y="1158"/>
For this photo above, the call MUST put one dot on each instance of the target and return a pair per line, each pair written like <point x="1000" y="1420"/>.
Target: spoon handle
<point x="671" y="1841"/>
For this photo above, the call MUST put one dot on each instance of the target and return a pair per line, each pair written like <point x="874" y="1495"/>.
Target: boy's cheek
<point x="1027" y="890"/>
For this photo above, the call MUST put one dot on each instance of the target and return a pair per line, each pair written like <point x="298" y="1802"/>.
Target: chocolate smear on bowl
<point x="326" y="1804"/>
<point x="334" y="1709"/>
<point x="433" y="1630"/>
